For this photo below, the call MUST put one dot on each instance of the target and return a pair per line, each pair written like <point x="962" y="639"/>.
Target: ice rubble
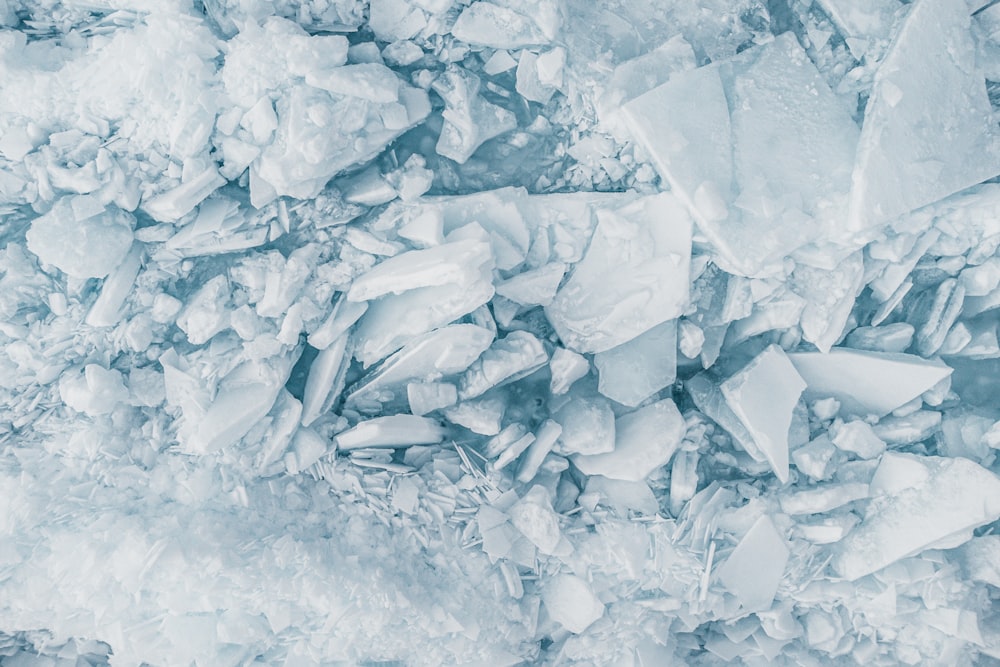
<point x="392" y="300"/>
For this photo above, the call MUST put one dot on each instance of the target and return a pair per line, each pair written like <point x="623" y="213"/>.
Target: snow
<point x="543" y="333"/>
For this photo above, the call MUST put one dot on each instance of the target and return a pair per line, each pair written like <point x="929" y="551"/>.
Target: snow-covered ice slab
<point x="763" y="395"/>
<point x="757" y="146"/>
<point x="921" y="502"/>
<point x="633" y="277"/>
<point x="929" y="129"/>
<point x="867" y="383"/>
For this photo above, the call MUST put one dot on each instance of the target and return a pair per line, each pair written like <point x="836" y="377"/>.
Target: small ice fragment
<point x="635" y="370"/>
<point x="867" y="382"/>
<point x="708" y="397"/>
<point x="926" y="500"/>
<point x="94" y="391"/>
<point x="481" y="415"/>
<point x="517" y="355"/>
<point x="763" y="396"/>
<point x="425" y="228"/>
<point x="814" y="458"/>
<point x="827" y="529"/>
<point x="424" y="397"/>
<point x="392" y="431"/>
<point x="567" y="367"/>
<point x="533" y="516"/>
<point x="536" y="287"/>
<point x="469" y="120"/>
<point x="81" y="237"/>
<point x="571" y="602"/>
<point x="452" y="263"/>
<point x="868" y="21"/>
<point x="755" y="567"/>
<point x="928" y="130"/>
<point x="858" y="438"/>
<point x="895" y="337"/>
<point x="634" y="276"/>
<point x="206" y="313"/>
<point x="307" y="447"/>
<point x="588" y="426"/>
<point x="644" y="441"/>
<point x="683" y="479"/>
<point x="908" y="429"/>
<point x="488" y="24"/>
<point x="691" y="338"/>
<point x="106" y="310"/>
<point x="622" y="496"/>
<point x="514" y="450"/>
<point x="368" y="81"/>
<point x="545" y="438"/>
<point x="529" y="85"/>
<point x="325" y="380"/>
<point x="822" y="498"/>
<point x="405" y="495"/>
<point x="345" y="313"/>
<point x="178" y="202"/>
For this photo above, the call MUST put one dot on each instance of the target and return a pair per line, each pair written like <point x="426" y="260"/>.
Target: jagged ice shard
<point x="499" y="332"/>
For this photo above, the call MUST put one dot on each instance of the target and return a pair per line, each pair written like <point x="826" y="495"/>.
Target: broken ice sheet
<point x="920" y="502"/>
<point x="633" y="277"/>
<point x="635" y="370"/>
<point x="755" y="567"/>
<point x="757" y="146"/>
<point x="82" y="237"/>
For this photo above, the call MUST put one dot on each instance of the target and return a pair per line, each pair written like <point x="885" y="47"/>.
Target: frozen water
<point x="424" y="332"/>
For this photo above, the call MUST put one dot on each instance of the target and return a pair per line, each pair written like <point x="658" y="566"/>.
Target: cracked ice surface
<point x="499" y="332"/>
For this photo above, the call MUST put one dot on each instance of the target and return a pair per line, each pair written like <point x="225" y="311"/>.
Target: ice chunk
<point x="469" y="120"/>
<point x="929" y="129"/>
<point x="81" y="237"/>
<point x="868" y="21"/>
<point x="588" y="426"/>
<point x="763" y="396"/>
<point x="517" y="355"/>
<point x="545" y="438"/>
<point x="755" y="567"/>
<point x="571" y="602"/>
<point x="533" y="516"/>
<point x="93" y="390"/>
<point x="886" y="338"/>
<point x="178" y="202"/>
<point x="498" y="26"/>
<point x="858" y="438"/>
<point x="867" y="382"/>
<point x="644" y="441"/>
<point x="392" y="431"/>
<point x="344" y="315"/>
<point x="567" y="367"/>
<point x="926" y="501"/>
<point x="536" y="287"/>
<point x="425" y="397"/>
<point x="394" y="320"/>
<point x="307" y="448"/>
<point x="758" y="146"/>
<point x="637" y="369"/>
<point x="822" y="498"/>
<point x="106" y="310"/>
<point x="452" y="263"/>
<point x="480" y="415"/>
<point x="206" y="313"/>
<point x="325" y="380"/>
<point x="707" y="396"/>
<point x="633" y="277"/>
<point x="814" y="458"/>
<point x="429" y="357"/>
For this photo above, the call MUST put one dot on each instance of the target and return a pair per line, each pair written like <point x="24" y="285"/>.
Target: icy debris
<point x="508" y="24"/>
<point x="895" y="337"/>
<point x="82" y="237"/>
<point x="567" y="367"/>
<point x="509" y="359"/>
<point x="928" y="130"/>
<point x="481" y="415"/>
<point x="754" y="569"/>
<point x="571" y="602"/>
<point x="920" y="502"/>
<point x="459" y="262"/>
<point x="644" y="441"/>
<point x="392" y="431"/>
<point x="757" y="146"/>
<point x="424" y="397"/>
<point x="92" y="390"/>
<point x="857" y="437"/>
<point x="469" y="120"/>
<point x="325" y="380"/>
<point x="763" y="395"/>
<point x="343" y="316"/>
<point x="635" y="370"/>
<point x="532" y="514"/>
<point x="867" y="383"/>
<point x="634" y="276"/>
<point x="545" y="438"/>
<point x="588" y="425"/>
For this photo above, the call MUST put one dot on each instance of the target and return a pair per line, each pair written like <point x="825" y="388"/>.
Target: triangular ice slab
<point x="758" y="146"/>
<point x="929" y="129"/>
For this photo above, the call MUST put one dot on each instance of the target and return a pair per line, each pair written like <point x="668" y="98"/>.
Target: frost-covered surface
<point x="499" y="332"/>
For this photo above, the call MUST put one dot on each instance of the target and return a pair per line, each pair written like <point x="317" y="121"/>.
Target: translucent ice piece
<point x="644" y="441"/>
<point x="533" y="516"/>
<point x="633" y="277"/>
<point x="926" y="501"/>
<point x="869" y="20"/>
<point x="325" y="380"/>
<point x="567" y="367"/>
<point x="392" y="431"/>
<point x="206" y="312"/>
<point x="545" y="438"/>
<point x="481" y="415"/>
<point x="763" y="396"/>
<point x="516" y="356"/>
<point x="344" y="315"/>
<point x="857" y="437"/>
<point x="929" y="129"/>
<point x="588" y="426"/>
<point x="822" y="498"/>
<point x="459" y="262"/>
<point x="496" y="26"/>
<point x="758" y="146"/>
<point x="536" y="287"/>
<point x="178" y="202"/>
<point x="106" y="310"/>
<point x="754" y="569"/>
<point x="637" y="369"/>
<point x="867" y="382"/>
<point x="469" y="120"/>
<point x="571" y="602"/>
<point x="425" y="397"/>
<point x="81" y="237"/>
